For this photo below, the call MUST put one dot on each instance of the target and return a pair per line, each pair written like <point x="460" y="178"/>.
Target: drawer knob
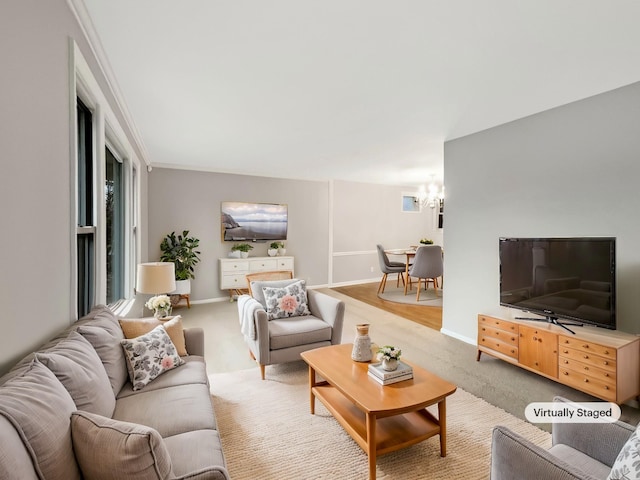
<point x="606" y="363"/>
<point x="585" y="346"/>
<point x="606" y="387"/>
<point x="606" y="352"/>
<point x="536" y="364"/>
<point x="535" y="339"/>
<point x="586" y="356"/>
<point x="586" y="380"/>
<point x="566" y="373"/>
<point x="513" y="351"/>
<point x="513" y="339"/>
<point x="566" y="341"/>
<point x="565" y="351"/>
<point x="566" y="361"/>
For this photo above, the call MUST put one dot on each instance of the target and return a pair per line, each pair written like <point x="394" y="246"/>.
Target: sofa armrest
<point x="601" y="441"/>
<point x="329" y="309"/>
<point x="194" y="340"/>
<point x="513" y="456"/>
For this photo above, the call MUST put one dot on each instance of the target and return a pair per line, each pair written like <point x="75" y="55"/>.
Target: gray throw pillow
<point x="109" y="449"/>
<point x="257" y="285"/>
<point x="79" y="368"/>
<point x="107" y="346"/>
<point x="39" y="408"/>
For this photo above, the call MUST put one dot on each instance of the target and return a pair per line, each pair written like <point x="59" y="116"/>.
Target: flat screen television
<point x="560" y="278"/>
<point x="253" y="222"/>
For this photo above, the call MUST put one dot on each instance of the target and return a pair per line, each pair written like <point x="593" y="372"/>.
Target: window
<point x="105" y="203"/>
<point x="115" y="218"/>
<point x="85" y="230"/>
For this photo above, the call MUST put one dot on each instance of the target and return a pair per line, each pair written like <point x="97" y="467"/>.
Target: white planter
<point x="272" y="252"/>
<point x="234" y="254"/>
<point x="183" y="287"/>
<point x="244" y="254"/>
<point x="282" y="251"/>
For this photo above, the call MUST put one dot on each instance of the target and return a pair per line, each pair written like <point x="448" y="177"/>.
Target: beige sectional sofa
<point x="69" y="411"/>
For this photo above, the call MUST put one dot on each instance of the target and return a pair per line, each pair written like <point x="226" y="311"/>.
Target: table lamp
<point x="156" y="278"/>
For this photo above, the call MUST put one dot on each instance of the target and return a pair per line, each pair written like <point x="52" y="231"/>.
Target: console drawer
<point x="497" y="323"/>
<point x="588" y="347"/>
<point x="503" y="335"/>
<point x="498" y="345"/>
<point x="588" y="369"/>
<point x="585" y="357"/>
<point x="263" y="265"/>
<point x="600" y="388"/>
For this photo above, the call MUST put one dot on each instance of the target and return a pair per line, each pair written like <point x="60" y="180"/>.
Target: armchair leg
<point x="262" y="370"/>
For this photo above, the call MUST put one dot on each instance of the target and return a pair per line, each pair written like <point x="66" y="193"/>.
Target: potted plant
<point x="281" y="248"/>
<point x="181" y="250"/>
<point x="243" y="248"/>
<point x="273" y="249"/>
<point x="390" y="356"/>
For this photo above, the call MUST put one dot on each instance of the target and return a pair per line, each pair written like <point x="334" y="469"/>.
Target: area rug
<point x="427" y="297"/>
<point x="268" y="432"/>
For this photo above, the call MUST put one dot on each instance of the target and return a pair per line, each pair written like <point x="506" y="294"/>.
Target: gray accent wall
<point x="333" y="226"/>
<point x="570" y="171"/>
<point x="35" y="183"/>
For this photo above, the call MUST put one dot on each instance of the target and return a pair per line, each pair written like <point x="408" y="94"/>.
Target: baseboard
<point x="449" y="333"/>
<point x="355" y="282"/>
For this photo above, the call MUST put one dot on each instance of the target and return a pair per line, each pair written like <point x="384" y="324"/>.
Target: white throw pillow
<point x="626" y="465"/>
<point x="150" y="355"/>
<point x="289" y="301"/>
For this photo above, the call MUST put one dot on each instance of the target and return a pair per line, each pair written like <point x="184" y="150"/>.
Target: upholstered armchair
<point x="273" y="340"/>
<point x="586" y="451"/>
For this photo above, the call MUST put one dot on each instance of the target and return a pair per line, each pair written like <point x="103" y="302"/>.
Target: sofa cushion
<point x="108" y="449"/>
<point x="107" y="345"/>
<point x="15" y="462"/>
<point x="291" y="332"/>
<point x="626" y="464"/>
<point x="257" y="285"/>
<point x="196" y="451"/>
<point x="77" y="365"/>
<point x="39" y="408"/>
<point x="135" y="327"/>
<point x="194" y="370"/>
<point x="150" y="355"/>
<point x="580" y="460"/>
<point x="171" y="410"/>
<point x="288" y="301"/>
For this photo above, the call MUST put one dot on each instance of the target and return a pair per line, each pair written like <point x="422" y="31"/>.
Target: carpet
<point x="267" y="432"/>
<point x="427" y="297"/>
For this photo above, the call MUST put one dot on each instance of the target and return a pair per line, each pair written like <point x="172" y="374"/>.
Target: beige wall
<point x="35" y="186"/>
<point x="570" y="171"/>
<point x="333" y="226"/>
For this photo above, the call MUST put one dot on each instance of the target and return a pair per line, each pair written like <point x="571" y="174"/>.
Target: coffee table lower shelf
<point x="392" y="432"/>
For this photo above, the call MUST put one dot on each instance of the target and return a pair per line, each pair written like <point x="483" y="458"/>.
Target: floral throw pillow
<point x="289" y="301"/>
<point x="627" y="464"/>
<point x="150" y="355"/>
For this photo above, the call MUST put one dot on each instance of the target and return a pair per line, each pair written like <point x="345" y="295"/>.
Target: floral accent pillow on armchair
<point x="289" y="301"/>
<point x="150" y="355"/>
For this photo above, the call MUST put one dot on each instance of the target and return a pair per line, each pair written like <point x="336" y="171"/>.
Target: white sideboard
<point x="234" y="270"/>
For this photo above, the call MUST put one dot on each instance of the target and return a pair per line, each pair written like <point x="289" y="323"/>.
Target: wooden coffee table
<point x="381" y="419"/>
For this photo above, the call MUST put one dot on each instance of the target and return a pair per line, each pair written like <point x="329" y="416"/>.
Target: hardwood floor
<point x="367" y="293"/>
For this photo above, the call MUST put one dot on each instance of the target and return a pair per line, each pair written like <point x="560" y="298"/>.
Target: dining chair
<point x="387" y="267"/>
<point x="427" y="266"/>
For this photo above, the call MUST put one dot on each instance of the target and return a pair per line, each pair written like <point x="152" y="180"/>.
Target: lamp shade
<point x="156" y="277"/>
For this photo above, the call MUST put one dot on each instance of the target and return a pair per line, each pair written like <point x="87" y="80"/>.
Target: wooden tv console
<point x="602" y="363"/>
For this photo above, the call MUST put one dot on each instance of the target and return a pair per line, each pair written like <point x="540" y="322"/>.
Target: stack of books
<point x="403" y="372"/>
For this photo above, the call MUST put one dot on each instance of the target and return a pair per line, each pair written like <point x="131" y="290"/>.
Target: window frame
<point x="107" y="133"/>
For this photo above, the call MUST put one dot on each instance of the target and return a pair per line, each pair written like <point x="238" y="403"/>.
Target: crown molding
<point x="79" y="10"/>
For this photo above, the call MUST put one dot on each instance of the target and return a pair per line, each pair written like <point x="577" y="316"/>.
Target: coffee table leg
<point x="371" y="445"/>
<point x="312" y="383"/>
<point x="442" y="419"/>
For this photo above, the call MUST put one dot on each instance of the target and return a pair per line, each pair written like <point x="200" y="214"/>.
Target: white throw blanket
<point x="247" y="306"/>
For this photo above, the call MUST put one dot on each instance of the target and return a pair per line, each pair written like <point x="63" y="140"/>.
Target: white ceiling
<point x="363" y="90"/>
